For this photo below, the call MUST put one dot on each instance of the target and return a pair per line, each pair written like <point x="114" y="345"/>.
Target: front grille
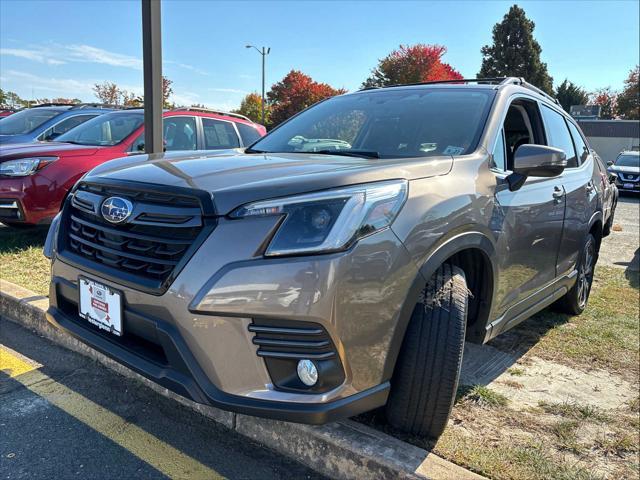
<point x="630" y="177"/>
<point x="147" y="249"/>
<point x="291" y="340"/>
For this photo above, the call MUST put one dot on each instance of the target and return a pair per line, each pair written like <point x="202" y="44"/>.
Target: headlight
<point x="330" y="220"/>
<point x="22" y="167"/>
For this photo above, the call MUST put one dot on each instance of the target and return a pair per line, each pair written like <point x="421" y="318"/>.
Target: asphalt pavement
<point x="65" y="416"/>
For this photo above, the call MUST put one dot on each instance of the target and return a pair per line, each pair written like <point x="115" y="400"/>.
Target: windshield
<point x="26" y="121"/>
<point x="628" y="161"/>
<point x="390" y="123"/>
<point x="108" y="129"/>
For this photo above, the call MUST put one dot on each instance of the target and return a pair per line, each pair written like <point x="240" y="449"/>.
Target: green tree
<point x="568" y="93"/>
<point x="515" y="52"/>
<point x="412" y="64"/>
<point x="251" y="106"/>
<point x="628" y="102"/>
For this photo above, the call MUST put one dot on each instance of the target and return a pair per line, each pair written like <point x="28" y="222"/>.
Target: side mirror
<point x="609" y="163"/>
<point x="535" y="161"/>
<point x="612" y="177"/>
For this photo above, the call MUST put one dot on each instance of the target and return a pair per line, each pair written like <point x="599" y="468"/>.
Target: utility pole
<point x="264" y="51"/>
<point x="152" y="69"/>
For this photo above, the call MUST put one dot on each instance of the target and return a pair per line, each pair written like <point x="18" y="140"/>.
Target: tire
<point x="425" y="380"/>
<point x="606" y="230"/>
<point x="575" y="300"/>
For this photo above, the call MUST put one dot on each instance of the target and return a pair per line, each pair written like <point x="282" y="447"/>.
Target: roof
<point x="610" y="128"/>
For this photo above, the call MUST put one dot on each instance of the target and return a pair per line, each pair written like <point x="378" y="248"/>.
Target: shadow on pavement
<point x="73" y="416"/>
<point x="12" y="239"/>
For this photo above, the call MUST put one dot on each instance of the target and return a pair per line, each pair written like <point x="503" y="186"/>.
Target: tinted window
<point x="248" y="134"/>
<point x="628" y="161"/>
<point x="179" y="133"/>
<point x="581" y="148"/>
<point x="64" y="126"/>
<point x="558" y="135"/>
<point x="219" y="134"/>
<point x="499" y="158"/>
<point x="108" y="129"/>
<point x="26" y="120"/>
<point x="404" y="122"/>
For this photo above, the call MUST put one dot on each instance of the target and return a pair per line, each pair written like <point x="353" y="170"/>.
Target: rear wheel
<point x="575" y="300"/>
<point x="607" y="226"/>
<point x="425" y="380"/>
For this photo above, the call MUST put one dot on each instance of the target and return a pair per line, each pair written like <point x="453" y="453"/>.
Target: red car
<point x="35" y="177"/>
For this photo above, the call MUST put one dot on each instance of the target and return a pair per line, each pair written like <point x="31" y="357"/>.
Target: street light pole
<point x="264" y="52"/>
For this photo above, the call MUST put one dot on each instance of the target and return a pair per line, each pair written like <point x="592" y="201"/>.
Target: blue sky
<point x="61" y="48"/>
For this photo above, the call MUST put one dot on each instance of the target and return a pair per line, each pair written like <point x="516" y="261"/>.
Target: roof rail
<point x="95" y="105"/>
<point x="523" y="83"/>
<point x="211" y="110"/>
<point x="75" y="105"/>
<point x="489" y="81"/>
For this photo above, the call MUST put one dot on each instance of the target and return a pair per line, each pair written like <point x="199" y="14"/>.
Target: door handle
<point x="589" y="187"/>
<point x="558" y="193"/>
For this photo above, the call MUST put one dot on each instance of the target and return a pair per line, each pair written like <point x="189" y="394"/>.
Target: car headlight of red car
<point x="21" y="167"/>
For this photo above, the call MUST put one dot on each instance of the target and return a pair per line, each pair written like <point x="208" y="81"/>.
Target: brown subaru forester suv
<point x="339" y="263"/>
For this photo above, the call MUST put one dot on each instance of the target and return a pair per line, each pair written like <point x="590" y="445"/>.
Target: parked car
<point x="35" y="178"/>
<point x="310" y="284"/>
<point x="609" y="194"/>
<point x="626" y="169"/>
<point x="46" y="122"/>
<point x="5" y="112"/>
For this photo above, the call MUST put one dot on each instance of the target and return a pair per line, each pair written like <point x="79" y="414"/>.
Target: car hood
<point x="615" y="168"/>
<point x="22" y="150"/>
<point x="18" y="138"/>
<point x="236" y="178"/>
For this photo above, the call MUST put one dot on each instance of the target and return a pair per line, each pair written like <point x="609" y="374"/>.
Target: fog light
<point x="307" y="372"/>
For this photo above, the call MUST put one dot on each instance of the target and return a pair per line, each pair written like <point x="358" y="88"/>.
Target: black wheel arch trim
<point x="446" y="248"/>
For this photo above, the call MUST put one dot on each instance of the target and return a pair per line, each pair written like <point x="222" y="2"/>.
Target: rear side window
<point x="581" y="148"/>
<point x="248" y="134"/>
<point x="558" y="134"/>
<point x="179" y="133"/>
<point x="219" y="134"/>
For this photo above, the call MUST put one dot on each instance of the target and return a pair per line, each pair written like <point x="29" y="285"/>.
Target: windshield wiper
<point x="251" y="150"/>
<point x="350" y="153"/>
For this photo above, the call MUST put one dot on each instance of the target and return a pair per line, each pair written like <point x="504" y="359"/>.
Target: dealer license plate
<point x="628" y="185"/>
<point x="100" y="305"/>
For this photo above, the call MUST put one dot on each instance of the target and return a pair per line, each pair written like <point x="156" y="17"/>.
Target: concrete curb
<point x="342" y="450"/>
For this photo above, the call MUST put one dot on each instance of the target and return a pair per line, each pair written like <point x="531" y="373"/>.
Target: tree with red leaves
<point x="607" y="100"/>
<point x="295" y="92"/>
<point x="412" y="64"/>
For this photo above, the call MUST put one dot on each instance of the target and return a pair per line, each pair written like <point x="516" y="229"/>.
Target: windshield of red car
<point x="105" y="130"/>
<point x="26" y="121"/>
<point x="386" y="123"/>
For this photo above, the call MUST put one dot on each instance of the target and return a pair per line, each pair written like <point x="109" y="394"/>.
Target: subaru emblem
<point x="116" y="209"/>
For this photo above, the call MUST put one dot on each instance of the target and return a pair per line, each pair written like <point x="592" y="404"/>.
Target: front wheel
<point x="575" y="300"/>
<point x="423" y="387"/>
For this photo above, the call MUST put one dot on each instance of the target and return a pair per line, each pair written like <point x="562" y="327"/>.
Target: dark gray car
<point x="340" y="263"/>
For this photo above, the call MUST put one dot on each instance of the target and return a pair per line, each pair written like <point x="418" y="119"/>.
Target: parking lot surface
<point x="622" y="248"/>
<point x="64" y="416"/>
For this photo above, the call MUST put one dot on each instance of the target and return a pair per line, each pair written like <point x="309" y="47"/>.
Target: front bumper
<point x="27" y="200"/>
<point x="184" y="376"/>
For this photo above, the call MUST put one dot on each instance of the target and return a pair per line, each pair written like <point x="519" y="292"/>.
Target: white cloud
<point x="89" y="54"/>
<point x="67" y="87"/>
<point x="228" y="90"/>
<point x="40" y="56"/>
<point x="58" y="54"/>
